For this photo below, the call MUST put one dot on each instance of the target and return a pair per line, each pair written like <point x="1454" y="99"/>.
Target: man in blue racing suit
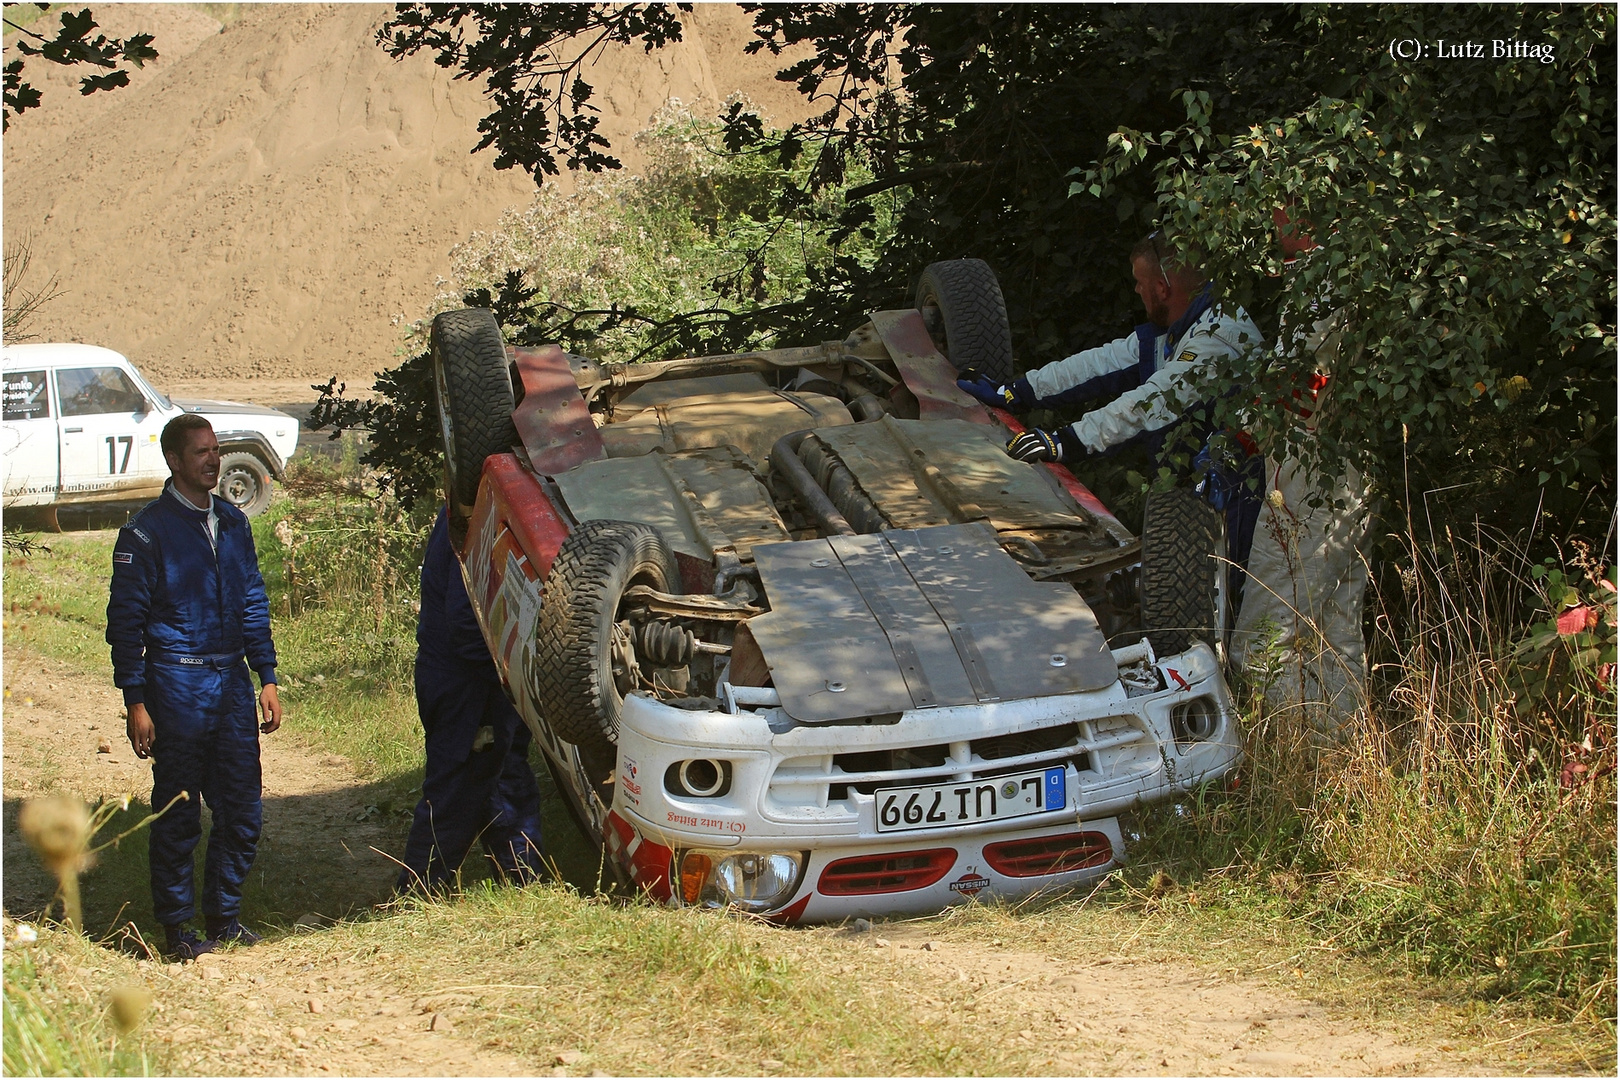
<point x="478" y="784"/>
<point x="187" y="617"/>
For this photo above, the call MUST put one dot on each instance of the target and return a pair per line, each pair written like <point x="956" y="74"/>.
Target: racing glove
<point x="1037" y="445"/>
<point x="1014" y="396"/>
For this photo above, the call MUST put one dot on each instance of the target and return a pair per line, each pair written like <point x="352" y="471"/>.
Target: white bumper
<point x="810" y="788"/>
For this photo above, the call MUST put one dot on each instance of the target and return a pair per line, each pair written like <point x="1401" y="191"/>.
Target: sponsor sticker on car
<point x="996" y="798"/>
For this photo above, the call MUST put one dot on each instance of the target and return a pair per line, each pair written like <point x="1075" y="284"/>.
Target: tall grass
<point x="57" y="1016"/>
<point x="340" y="561"/>
<point x="1467" y="820"/>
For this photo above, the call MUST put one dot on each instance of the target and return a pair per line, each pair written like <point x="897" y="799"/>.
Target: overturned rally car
<point x="795" y="635"/>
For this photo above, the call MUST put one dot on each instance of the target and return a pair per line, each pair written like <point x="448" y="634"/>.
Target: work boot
<point x="231" y="932"/>
<point x="182" y="943"/>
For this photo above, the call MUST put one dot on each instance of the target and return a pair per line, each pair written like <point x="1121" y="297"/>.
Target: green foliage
<point x="1572" y="652"/>
<point x="1465" y="216"/>
<point x="71" y="46"/>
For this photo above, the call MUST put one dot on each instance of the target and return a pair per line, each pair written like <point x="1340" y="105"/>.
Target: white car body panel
<point x="105" y="448"/>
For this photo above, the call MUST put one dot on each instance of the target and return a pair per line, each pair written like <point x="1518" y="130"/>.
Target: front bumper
<point x="814" y="788"/>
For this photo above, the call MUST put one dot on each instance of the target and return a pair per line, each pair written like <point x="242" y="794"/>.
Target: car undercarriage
<point x="797" y="636"/>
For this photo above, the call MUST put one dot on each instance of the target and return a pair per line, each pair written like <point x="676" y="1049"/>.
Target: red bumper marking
<point x="792" y="913"/>
<point x="648" y="862"/>
<point x="553" y="421"/>
<point x="866" y="875"/>
<point x="1042" y="855"/>
<point x="926" y="373"/>
<point x="1074" y="487"/>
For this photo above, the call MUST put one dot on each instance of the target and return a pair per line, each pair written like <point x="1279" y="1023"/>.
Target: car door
<point x="108" y="450"/>
<point x="29" y="439"/>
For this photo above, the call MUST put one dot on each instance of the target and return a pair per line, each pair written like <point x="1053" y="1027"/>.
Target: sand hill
<point x="272" y="198"/>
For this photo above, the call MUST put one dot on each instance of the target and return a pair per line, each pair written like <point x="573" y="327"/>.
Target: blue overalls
<point x="186" y="618"/>
<point x="475" y="788"/>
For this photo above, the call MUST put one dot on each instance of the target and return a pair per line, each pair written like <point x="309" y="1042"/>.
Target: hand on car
<point x="984" y="388"/>
<point x="1015" y="396"/>
<point x="1037" y="445"/>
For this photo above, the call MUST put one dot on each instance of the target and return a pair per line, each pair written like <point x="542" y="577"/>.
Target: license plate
<point x="941" y="806"/>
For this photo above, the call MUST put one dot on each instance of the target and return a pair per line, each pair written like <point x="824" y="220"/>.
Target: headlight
<point x="1196" y="720"/>
<point x="752" y="881"/>
<point x="701" y="778"/>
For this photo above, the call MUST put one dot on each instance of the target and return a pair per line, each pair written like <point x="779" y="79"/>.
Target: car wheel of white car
<point x="1184" y="569"/>
<point x="971" y="326"/>
<point x="244" y="482"/>
<point x="584" y="656"/>
<point x="473" y="385"/>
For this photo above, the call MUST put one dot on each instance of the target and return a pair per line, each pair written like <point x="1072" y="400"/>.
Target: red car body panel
<point x="553" y="420"/>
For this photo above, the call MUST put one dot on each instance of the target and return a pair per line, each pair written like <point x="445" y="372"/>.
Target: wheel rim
<point x="240" y="487"/>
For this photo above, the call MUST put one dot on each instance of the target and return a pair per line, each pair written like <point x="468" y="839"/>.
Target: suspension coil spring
<point x="665" y="644"/>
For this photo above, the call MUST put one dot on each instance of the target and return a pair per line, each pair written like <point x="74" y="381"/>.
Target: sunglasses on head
<point x="1158" y="254"/>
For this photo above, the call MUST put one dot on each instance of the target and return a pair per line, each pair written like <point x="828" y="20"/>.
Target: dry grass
<point x="1451" y="829"/>
<point x="60" y="1014"/>
<point x="647" y="991"/>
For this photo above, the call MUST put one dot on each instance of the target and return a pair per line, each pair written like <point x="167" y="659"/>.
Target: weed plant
<point x="627" y="253"/>
<point x="57" y="1019"/>
<point x="1467" y="819"/>
<point x="341" y="563"/>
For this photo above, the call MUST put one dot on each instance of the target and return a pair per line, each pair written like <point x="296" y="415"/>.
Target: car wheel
<point x="244" y="482"/>
<point x="1184" y="570"/>
<point x="967" y="315"/>
<point x="585" y="660"/>
<point x="473" y="385"/>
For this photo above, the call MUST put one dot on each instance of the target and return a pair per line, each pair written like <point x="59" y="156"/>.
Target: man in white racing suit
<point x="1298" y="632"/>
<point x="1153" y="371"/>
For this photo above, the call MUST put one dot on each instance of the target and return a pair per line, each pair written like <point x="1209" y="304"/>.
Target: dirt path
<point x="64" y="731"/>
<point x="292" y="1006"/>
<point x="1125" y="1015"/>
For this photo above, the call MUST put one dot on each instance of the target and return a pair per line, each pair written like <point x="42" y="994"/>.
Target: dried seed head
<point x="58" y="828"/>
<point x="129" y="1005"/>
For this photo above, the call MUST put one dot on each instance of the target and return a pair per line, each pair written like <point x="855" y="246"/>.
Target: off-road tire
<point x="473" y="386"/>
<point x="972" y="330"/>
<point x="244" y="482"/>
<point x="578" y="694"/>
<point x="1183" y="572"/>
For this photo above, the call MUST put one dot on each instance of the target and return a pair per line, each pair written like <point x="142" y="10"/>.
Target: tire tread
<point x="1179" y="537"/>
<point x="974" y="311"/>
<point x="468" y="348"/>
<point x="591" y="569"/>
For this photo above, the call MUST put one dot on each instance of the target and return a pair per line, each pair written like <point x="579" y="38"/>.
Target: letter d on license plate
<point x="941" y="806"/>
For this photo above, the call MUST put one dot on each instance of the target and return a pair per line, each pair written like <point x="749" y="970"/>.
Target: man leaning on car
<point x="186" y="619"/>
<point x="1153" y="370"/>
